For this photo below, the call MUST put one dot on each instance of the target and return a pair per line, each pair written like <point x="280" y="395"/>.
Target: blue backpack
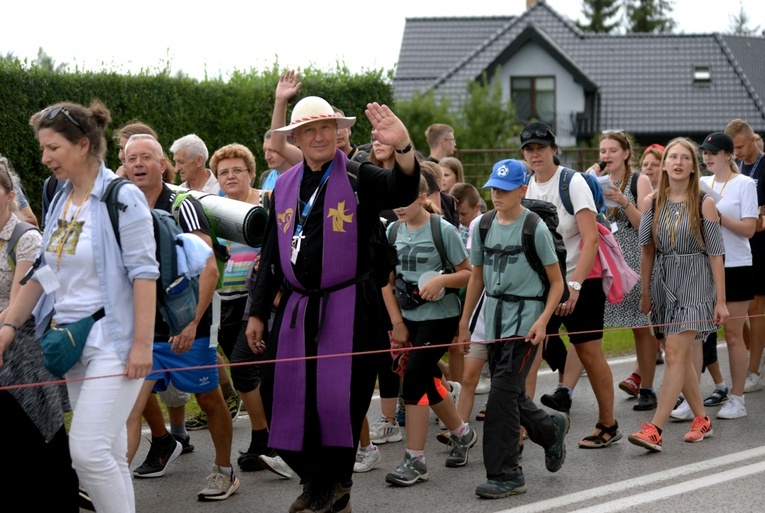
<point x="597" y="194"/>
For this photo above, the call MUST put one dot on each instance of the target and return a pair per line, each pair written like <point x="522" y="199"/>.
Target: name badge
<point x="47" y="279"/>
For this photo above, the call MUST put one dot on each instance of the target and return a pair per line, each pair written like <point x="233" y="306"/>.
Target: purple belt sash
<point x="333" y="374"/>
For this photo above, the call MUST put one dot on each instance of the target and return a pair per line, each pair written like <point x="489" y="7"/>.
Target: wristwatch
<point x="575" y="285"/>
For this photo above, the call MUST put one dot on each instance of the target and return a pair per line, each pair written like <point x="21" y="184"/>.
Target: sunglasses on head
<point x="55" y="111"/>
<point x="617" y="131"/>
<point x="528" y="134"/>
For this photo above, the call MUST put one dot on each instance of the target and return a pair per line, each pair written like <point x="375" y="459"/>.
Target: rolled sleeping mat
<point x="233" y="220"/>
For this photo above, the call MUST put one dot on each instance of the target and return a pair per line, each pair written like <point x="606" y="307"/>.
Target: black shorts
<point x="709" y="348"/>
<point x="739" y="283"/>
<point x="758" y="269"/>
<point x="585" y="323"/>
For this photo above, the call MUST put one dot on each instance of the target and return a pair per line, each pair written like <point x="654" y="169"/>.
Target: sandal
<point x="598" y="440"/>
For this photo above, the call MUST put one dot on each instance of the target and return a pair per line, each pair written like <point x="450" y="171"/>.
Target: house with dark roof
<point x="655" y="86"/>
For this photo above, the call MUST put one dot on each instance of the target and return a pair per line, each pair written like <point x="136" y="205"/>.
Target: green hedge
<point x="220" y="112"/>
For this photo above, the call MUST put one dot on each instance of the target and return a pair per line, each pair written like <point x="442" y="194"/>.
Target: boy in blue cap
<point x="516" y="306"/>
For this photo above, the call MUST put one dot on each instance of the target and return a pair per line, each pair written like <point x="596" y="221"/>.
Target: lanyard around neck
<point x="309" y="204"/>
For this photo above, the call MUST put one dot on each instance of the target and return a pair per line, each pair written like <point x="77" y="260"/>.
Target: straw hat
<point x="313" y="108"/>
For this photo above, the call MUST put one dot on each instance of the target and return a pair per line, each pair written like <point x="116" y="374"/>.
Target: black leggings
<point x="422" y="367"/>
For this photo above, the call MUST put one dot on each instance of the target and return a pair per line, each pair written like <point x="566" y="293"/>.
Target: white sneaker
<point x="456" y="391"/>
<point x="753" y="382"/>
<point x="682" y="412"/>
<point x="735" y="408"/>
<point x="367" y="460"/>
<point x="483" y="387"/>
<point x="384" y="431"/>
<point x="276" y="465"/>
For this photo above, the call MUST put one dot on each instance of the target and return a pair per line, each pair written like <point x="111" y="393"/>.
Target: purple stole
<point x="333" y="374"/>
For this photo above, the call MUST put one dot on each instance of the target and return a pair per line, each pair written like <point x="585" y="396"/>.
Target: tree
<point x="739" y="24"/>
<point x="46" y="62"/>
<point x="486" y="120"/>
<point x="649" y="16"/>
<point x="599" y="12"/>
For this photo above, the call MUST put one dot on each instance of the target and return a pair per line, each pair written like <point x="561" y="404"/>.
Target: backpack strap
<point x="484" y="224"/>
<point x="438" y="240"/>
<point x="634" y="185"/>
<point x="50" y="187"/>
<point x="20" y="229"/>
<point x="113" y="205"/>
<point x="564" y="184"/>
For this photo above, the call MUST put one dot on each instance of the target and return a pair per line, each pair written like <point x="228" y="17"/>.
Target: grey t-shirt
<point x="511" y="274"/>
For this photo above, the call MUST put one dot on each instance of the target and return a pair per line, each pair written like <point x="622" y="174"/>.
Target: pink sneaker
<point x="648" y="437"/>
<point x="701" y="427"/>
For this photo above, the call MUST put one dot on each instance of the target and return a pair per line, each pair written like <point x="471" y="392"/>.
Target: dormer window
<point x="702" y="75"/>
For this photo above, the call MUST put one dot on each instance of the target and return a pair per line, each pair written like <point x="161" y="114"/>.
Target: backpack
<point x="177" y="296"/>
<point x="538" y="210"/>
<point x="20" y="229"/>
<point x="564" y="184"/>
<point x="219" y="250"/>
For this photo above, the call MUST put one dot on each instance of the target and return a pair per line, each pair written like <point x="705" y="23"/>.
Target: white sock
<point x="420" y="455"/>
<point x="368" y="448"/>
<point x="462" y="430"/>
<point x="721" y="385"/>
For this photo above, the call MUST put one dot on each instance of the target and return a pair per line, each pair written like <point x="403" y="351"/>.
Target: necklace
<point x="674" y="210"/>
<point x="70" y="224"/>
<point x="724" y="184"/>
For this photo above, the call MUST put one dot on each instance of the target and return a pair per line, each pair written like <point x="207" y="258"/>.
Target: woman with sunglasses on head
<point x="83" y="273"/>
<point x="681" y="239"/>
<point x="33" y="418"/>
<point x="582" y="312"/>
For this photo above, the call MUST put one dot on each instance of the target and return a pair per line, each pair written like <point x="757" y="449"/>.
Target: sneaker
<point x="277" y="465"/>
<point x="559" y="400"/>
<point x="483" y="387"/>
<point x="234" y="404"/>
<point x="458" y="456"/>
<point x="631" y="385"/>
<point x="409" y="472"/>
<point x="185" y="442"/>
<point x="679" y="401"/>
<point x="648" y="437"/>
<point x="85" y="501"/>
<point x="249" y="461"/>
<point x="444" y="436"/>
<point x="682" y="412"/>
<point x="159" y="459"/>
<point x="494" y="489"/>
<point x="700" y="429"/>
<point x="647" y="400"/>
<point x="367" y="460"/>
<point x="555" y="455"/>
<point x="733" y="409"/>
<point x="718" y="398"/>
<point x="455" y="393"/>
<point x="219" y="486"/>
<point x="199" y="421"/>
<point x="384" y="431"/>
<point x="400" y="413"/>
<point x="753" y="382"/>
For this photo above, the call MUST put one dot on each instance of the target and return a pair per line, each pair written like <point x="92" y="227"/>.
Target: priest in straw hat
<point x="316" y="246"/>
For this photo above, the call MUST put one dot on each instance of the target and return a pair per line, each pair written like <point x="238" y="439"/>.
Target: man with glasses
<point x="441" y="141"/>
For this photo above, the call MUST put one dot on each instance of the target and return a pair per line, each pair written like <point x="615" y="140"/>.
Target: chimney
<point x="529" y="3"/>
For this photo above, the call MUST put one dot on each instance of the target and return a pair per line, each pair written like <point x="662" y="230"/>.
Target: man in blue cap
<point x="517" y="307"/>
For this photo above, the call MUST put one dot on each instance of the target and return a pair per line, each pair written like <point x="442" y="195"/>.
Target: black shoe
<point x="249" y="461"/>
<point x="646" y="400"/>
<point x="559" y="400"/>
<point x="186" y="446"/>
<point x="159" y="458"/>
<point x="555" y="455"/>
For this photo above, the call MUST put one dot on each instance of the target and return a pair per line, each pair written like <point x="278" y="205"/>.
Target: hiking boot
<point x="700" y="429"/>
<point x="647" y="400"/>
<point x="159" y="458"/>
<point x="718" y="398"/>
<point x="277" y="465"/>
<point x="555" y="455"/>
<point x="631" y="385"/>
<point x="384" y="431"/>
<point x="559" y="400"/>
<point x="735" y="408"/>
<point x="185" y="442"/>
<point x="219" y="486"/>
<point x="234" y="404"/>
<point x="367" y="460"/>
<point x="753" y="382"/>
<point x="199" y="421"/>
<point x="303" y="501"/>
<point x="682" y="412"/>
<point x="409" y="472"/>
<point x="458" y="456"/>
<point x="648" y="437"/>
<point x="495" y="489"/>
<point x="341" y="499"/>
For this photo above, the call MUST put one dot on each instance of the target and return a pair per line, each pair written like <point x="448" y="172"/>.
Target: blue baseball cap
<point x="508" y="175"/>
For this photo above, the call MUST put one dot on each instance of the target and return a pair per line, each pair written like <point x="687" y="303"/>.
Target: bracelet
<point x="404" y="150"/>
<point x="625" y="207"/>
<point x="15" y="329"/>
<point x="397" y="323"/>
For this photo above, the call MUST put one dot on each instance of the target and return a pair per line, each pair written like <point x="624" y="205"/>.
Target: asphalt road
<point x="723" y="473"/>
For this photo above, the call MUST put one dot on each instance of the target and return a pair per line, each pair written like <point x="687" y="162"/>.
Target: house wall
<point x="532" y="61"/>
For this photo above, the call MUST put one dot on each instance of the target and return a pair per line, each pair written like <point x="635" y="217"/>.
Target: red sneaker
<point x="648" y="437"/>
<point x="700" y="429"/>
<point x="631" y="385"/>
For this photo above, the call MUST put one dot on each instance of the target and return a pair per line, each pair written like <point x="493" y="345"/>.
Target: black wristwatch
<point x="405" y="150"/>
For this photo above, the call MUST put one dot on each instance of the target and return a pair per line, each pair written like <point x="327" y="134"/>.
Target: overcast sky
<point x="217" y="37"/>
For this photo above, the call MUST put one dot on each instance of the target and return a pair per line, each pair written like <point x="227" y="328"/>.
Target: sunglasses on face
<point x="54" y="112"/>
<point x="528" y="134"/>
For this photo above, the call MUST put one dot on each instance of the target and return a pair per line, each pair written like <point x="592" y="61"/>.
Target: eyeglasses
<point x="528" y="134"/>
<point x="616" y="131"/>
<point x="451" y="140"/>
<point x="52" y="113"/>
<point x="236" y="171"/>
